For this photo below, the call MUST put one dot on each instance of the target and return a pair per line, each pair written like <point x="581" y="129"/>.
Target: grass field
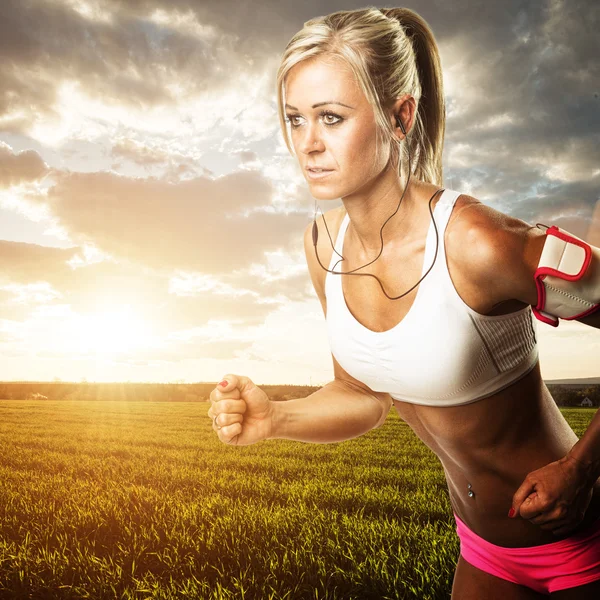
<point x="141" y="500"/>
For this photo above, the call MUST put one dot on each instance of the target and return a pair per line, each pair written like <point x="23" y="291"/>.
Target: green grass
<point x="141" y="500"/>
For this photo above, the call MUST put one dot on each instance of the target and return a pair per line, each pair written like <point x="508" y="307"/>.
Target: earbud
<point x="399" y="124"/>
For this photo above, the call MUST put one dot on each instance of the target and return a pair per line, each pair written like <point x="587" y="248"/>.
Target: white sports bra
<point x="442" y="353"/>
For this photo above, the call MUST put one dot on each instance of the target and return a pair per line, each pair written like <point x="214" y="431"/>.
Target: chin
<point x="324" y="195"/>
<point x="323" y="192"/>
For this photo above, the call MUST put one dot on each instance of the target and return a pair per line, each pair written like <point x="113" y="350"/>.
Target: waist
<point x="492" y="445"/>
<point x="497" y="528"/>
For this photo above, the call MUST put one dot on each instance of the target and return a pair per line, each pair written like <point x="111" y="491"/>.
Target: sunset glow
<point x="152" y="220"/>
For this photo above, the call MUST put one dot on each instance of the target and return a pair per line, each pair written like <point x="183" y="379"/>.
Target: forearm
<point x="587" y="450"/>
<point x="335" y="413"/>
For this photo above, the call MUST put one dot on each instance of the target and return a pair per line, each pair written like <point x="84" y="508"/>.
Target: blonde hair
<point x="391" y="52"/>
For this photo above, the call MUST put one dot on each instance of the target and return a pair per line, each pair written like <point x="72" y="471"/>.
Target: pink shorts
<point x="547" y="568"/>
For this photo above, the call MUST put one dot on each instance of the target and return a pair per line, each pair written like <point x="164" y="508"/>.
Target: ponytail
<point x="427" y="145"/>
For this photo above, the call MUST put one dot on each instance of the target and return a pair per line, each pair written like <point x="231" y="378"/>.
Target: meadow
<point x="140" y="500"/>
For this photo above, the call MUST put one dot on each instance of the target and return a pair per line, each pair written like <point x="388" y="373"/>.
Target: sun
<point x="111" y="332"/>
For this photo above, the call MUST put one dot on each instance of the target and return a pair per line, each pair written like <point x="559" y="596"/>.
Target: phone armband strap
<point x="562" y="292"/>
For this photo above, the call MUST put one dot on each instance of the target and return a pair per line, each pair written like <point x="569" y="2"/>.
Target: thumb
<point x="522" y="499"/>
<point x="230" y="384"/>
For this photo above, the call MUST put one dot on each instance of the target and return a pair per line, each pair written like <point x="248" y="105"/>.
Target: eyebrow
<point x="321" y="104"/>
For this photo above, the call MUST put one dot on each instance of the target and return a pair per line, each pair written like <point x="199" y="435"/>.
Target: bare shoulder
<point x="494" y="251"/>
<point x="328" y="225"/>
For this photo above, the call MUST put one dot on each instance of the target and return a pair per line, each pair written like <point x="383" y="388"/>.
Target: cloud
<point x="202" y="230"/>
<point x="19" y="168"/>
<point x="44" y="303"/>
<point x="210" y="225"/>
<point x="27" y="263"/>
<point x="59" y="57"/>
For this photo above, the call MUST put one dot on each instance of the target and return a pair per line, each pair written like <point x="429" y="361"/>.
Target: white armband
<point x="563" y="263"/>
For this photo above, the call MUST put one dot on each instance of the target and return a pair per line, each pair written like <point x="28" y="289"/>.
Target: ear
<point x="405" y="108"/>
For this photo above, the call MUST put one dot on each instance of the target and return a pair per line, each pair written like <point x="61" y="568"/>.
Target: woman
<point x="442" y="326"/>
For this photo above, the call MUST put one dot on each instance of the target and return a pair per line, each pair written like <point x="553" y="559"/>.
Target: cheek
<point x="356" y="149"/>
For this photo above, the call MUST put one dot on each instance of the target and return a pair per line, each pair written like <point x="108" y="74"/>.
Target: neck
<point x="368" y="209"/>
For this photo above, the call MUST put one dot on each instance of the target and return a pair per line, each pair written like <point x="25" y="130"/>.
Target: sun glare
<point x="111" y="332"/>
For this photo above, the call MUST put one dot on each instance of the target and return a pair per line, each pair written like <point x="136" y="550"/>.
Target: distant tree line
<point x="574" y="395"/>
<point x="564" y="395"/>
<point x="148" y="392"/>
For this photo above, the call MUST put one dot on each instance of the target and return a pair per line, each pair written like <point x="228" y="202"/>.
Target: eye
<point x="290" y="119"/>
<point x="326" y="114"/>
<point x="329" y="118"/>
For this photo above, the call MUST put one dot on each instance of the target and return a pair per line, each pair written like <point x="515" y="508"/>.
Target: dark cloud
<point x="128" y="62"/>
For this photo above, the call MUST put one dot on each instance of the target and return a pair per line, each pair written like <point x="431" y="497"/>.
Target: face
<point x="332" y="128"/>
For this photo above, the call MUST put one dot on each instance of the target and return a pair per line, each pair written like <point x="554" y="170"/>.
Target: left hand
<point x="555" y="497"/>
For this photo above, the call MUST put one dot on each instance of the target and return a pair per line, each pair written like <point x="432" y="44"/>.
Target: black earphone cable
<point x="315" y="236"/>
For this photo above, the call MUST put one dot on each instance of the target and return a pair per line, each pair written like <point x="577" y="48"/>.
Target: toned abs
<point x="493" y="444"/>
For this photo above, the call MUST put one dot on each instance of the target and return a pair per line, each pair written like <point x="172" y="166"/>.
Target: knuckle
<point x="232" y="430"/>
<point x="544" y="501"/>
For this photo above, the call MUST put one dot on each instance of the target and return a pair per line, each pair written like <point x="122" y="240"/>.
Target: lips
<point x="315" y="174"/>
<point x="317" y="169"/>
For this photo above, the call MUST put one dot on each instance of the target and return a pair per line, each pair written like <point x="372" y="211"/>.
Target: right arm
<point x="344" y="408"/>
<point x="338" y="411"/>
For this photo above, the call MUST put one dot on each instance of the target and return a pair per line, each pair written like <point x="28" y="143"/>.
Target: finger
<point x="227" y="387"/>
<point x="541" y="519"/>
<point x="217" y="394"/>
<point x="224" y="419"/>
<point x="239" y="382"/>
<point x="522" y="493"/>
<point x="229" y="406"/>
<point x="230" y="432"/>
<point x="228" y="382"/>
<point x="551" y="516"/>
<point x="531" y="507"/>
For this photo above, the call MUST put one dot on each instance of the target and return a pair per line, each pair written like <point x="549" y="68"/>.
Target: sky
<point x="151" y="217"/>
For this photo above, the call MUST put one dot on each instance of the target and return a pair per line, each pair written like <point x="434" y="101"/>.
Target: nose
<point x="311" y="140"/>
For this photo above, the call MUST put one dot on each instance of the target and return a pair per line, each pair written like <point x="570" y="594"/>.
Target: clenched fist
<point x="241" y="412"/>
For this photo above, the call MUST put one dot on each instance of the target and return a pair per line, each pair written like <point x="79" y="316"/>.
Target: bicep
<point x="384" y="400"/>
<point x="496" y="253"/>
<point x="510" y="254"/>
